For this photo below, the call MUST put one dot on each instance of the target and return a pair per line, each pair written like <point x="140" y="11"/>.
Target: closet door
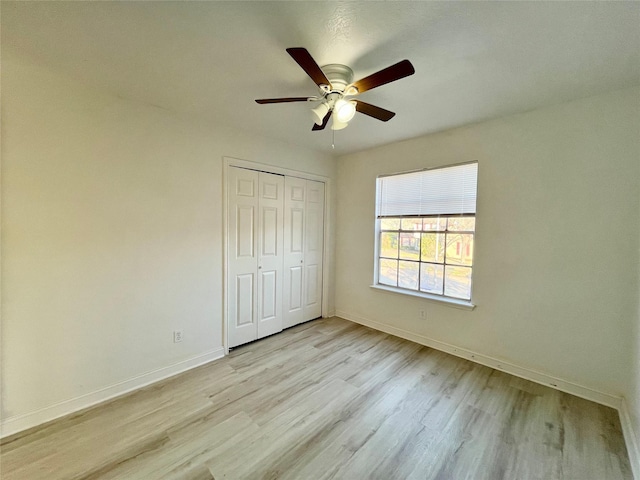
<point x="255" y="247"/>
<point x="294" y="228"/>
<point x="313" y="250"/>
<point x="270" y="250"/>
<point x="243" y="190"/>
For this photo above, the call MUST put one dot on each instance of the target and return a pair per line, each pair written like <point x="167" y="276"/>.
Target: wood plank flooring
<point x="329" y="400"/>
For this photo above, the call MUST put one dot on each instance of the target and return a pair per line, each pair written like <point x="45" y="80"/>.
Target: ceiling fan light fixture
<point x="344" y="111"/>
<point x="319" y="112"/>
<point x="337" y="124"/>
<point x="335" y="82"/>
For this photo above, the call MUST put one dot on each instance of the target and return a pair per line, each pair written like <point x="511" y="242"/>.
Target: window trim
<point x="447" y="301"/>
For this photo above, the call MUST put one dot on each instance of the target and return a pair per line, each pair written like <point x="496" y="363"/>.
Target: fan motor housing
<point x="339" y="75"/>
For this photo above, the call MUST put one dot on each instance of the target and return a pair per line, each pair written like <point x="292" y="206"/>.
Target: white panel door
<point x="313" y="251"/>
<point x="294" y="229"/>
<point x="270" y="250"/>
<point x="243" y="202"/>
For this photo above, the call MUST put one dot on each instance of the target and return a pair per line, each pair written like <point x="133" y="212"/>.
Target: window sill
<point x="451" y="302"/>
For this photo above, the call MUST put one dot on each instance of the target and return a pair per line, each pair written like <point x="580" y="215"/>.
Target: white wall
<point x="633" y="401"/>
<point x="111" y="239"/>
<point x="632" y="396"/>
<point x="555" y="278"/>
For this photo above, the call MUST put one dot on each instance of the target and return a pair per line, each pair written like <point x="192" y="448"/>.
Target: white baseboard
<point x="18" y="423"/>
<point x="630" y="437"/>
<point x="522" y="372"/>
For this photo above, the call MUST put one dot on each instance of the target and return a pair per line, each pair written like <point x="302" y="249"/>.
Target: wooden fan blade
<point x="390" y="74"/>
<point x="262" y="101"/>
<point x="325" y="120"/>
<point x="373" y="111"/>
<point x="309" y="65"/>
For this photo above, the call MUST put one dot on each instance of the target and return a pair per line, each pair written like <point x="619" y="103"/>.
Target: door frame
<point x="229" y="162"/>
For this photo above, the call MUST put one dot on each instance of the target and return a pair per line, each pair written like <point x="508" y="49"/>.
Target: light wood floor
<point x="330" y="399"/>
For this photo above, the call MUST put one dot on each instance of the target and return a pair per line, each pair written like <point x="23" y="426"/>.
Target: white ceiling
<point x="473" y="60"/>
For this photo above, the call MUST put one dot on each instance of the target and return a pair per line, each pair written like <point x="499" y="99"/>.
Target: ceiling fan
<point x="336" y="85"/>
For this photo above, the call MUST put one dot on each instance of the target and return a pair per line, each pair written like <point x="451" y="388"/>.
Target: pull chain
<point x="333" y="139"/>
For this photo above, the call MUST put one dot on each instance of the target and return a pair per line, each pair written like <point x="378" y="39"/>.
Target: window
<point x="426" y="228"/>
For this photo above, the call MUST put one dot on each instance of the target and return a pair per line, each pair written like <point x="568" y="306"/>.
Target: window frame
<point x="437" y="297"/>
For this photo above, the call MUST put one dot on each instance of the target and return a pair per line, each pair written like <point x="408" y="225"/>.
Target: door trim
<point x="263" y="167"/>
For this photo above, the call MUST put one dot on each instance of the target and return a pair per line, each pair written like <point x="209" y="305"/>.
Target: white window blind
<point x="441" y="191"/>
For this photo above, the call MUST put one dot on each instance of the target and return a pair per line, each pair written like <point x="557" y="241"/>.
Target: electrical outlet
<point x="423" y="314"/>
<point x="177" y="336"/>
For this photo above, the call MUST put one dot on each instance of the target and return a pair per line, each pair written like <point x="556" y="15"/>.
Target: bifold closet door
<point x="303" y="250"/>
<point x="295" y="190"/>
<point x="270" y="253"/>
<point x="255" y="247"/>
<point x="313" y="251"/>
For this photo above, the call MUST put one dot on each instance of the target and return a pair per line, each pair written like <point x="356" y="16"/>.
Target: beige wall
<point x="555" y="277"/>
<point x="111" y="238"/>
<point x="633" y="392"/>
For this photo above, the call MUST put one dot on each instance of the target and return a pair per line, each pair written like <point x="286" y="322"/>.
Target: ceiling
<point x="473" y="60"/>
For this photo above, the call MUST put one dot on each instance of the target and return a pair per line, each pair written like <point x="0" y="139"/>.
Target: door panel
<point x="268" y="306"/>
<point x="294" y="211"/>
<point x="244" y="232"/>
<point x="297" y="189"/>
<point x="295" y="289"/>
<point x="245" y="187"/>
<point x="244" y="299"/>
<point x="242" y="255"/>
<point x="313" y="221"/>
<point x="313" y="250"/>
<point x="271" y="245"/>
<point x="269" y="232"/>
<point x="296" y="228"/>
<point x="312" y="283"/>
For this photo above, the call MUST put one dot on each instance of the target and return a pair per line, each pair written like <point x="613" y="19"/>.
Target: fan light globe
<point x="337" y="124"/>
<point x="319" y="112"/>
<point x="344" y="111"/>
